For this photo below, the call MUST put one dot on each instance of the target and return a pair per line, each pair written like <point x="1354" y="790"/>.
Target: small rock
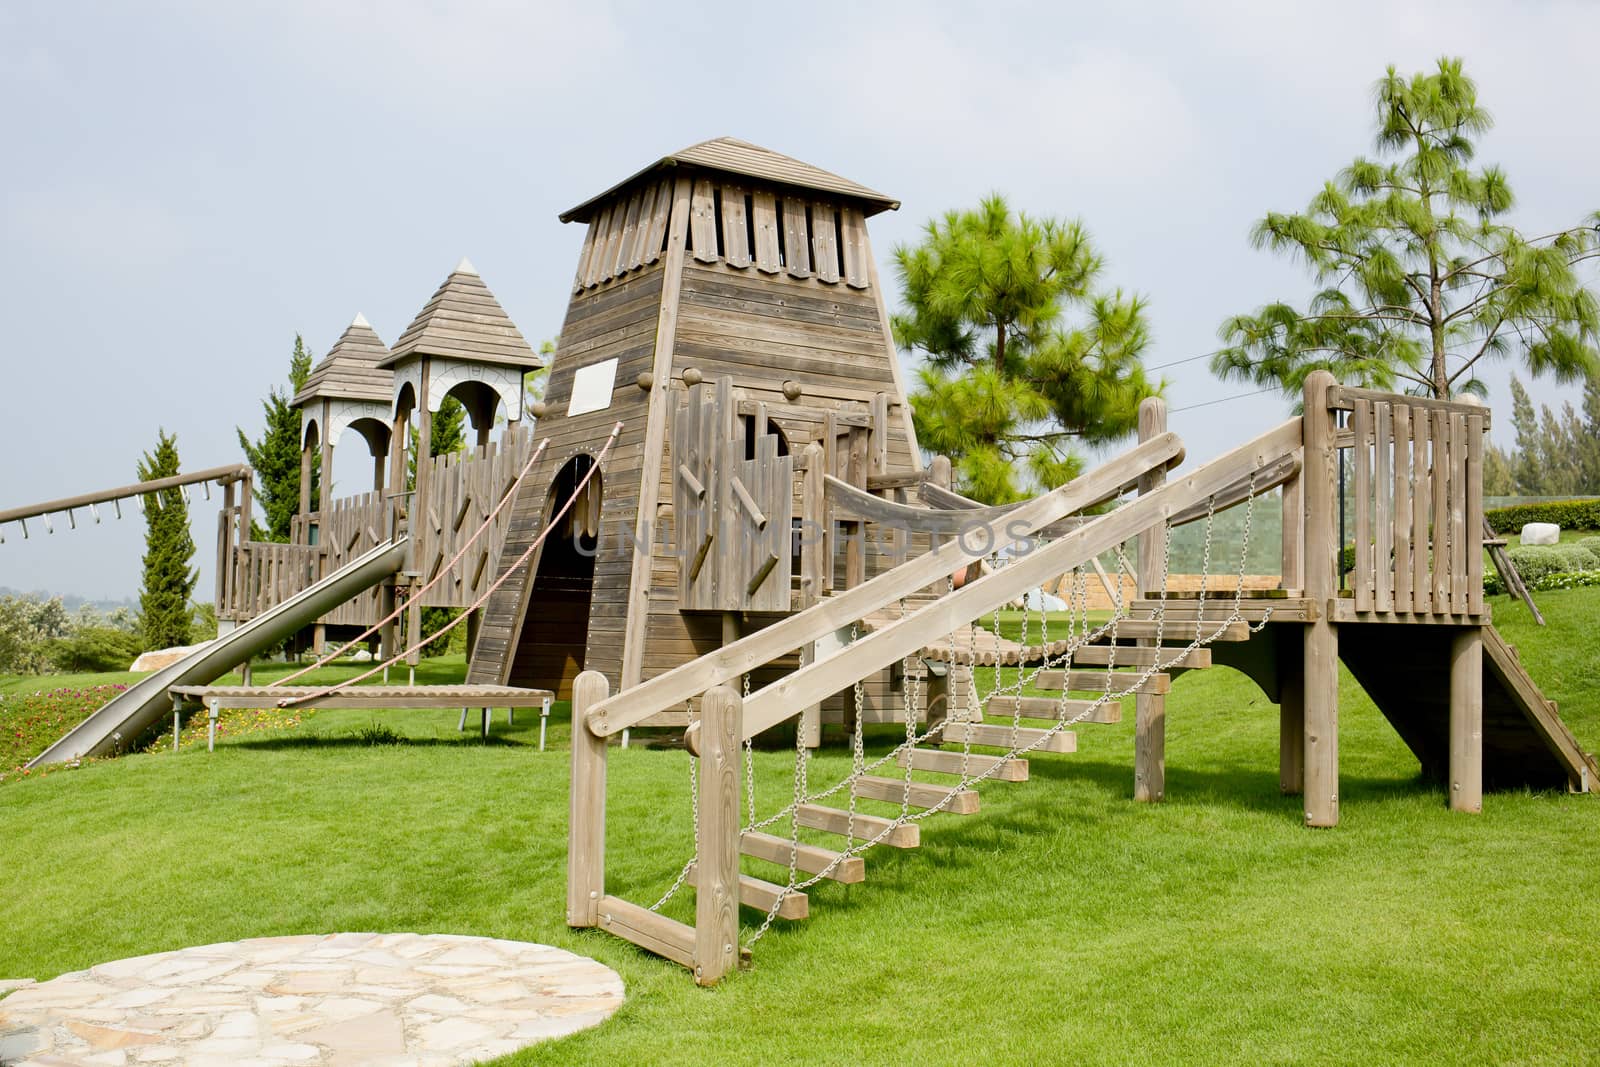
<point x="1541" y="533"/>
<point x="158" y="658"/>
<point x="361" y="656"/>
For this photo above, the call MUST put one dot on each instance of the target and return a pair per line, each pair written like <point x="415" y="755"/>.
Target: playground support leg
<point x="1466" y="720"/>
<point x="1150" y="710"/>
<point x="1291" y="724"/>
<point x="1149" y="746"/>
<point x="586" y="823"/>
<point x="716" y="907"/>
<point x="1320" y="704"/>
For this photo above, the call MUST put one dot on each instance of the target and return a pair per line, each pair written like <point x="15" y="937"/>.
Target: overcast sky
<point x="183" y="186"/>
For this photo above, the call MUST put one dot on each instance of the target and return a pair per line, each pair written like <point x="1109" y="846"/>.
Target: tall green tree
<point x="1024" y="356"/>
<point x="1557" y="452"/>
<point x="275" y="455"/>
<point x="1422" y="281"/>
<point x="168" y="550"/>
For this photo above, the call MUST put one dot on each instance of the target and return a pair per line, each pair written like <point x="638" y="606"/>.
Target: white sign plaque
<point x="592" y="386"/>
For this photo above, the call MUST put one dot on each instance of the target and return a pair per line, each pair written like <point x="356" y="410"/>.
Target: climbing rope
<point x="515" y="568"/>
<point x="444" y="572"/>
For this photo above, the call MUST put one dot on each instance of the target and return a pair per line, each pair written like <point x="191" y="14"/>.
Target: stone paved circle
<point x="383" y="999"/>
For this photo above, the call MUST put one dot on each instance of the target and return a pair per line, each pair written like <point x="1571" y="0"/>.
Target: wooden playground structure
<point x="722" y="523"/>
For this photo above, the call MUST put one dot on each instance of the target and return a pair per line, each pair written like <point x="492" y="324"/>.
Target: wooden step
<point x="1175" y="658"/>
<point x="923" y="795"/>
<point x="1095" y="682"/>
<point x="997" y="735"/>
<point x="968" y="763"/>
<point x="809" y="858"/>
<point x="1147" y="628"/>
<point x="1055" y="708"/>
<point x="759" y="895"/>
<point x="866" y="827"/>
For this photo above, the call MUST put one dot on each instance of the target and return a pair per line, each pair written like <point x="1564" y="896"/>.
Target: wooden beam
<point x="657" y="417"/>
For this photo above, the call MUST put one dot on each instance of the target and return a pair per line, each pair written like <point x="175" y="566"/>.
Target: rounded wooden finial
<point x="645" y="380"/>
<point x="538" y="408"/>
<point x="791" y="390"/>
<point x="692" y="377"/>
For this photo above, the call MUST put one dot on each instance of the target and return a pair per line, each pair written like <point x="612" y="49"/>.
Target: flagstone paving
<point x="382" y="999"/>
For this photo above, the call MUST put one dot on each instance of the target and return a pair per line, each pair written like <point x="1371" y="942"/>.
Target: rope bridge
<point x="941" y="635"/>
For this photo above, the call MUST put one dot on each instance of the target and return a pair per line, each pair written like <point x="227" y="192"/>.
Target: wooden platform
<point x="363" y="696"/>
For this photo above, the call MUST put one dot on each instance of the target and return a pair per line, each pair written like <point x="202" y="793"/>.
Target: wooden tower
<point x="727" y="264"/>
<point x="347" y="390"/>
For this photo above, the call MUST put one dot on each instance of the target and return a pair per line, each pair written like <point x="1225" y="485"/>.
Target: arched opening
<point x="749" y="426"/>
<point x="555" y="629"/>
<point x="481" y="402"/>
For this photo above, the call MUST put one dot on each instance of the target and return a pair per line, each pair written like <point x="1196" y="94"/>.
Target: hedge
<point x="1567" y="514"/>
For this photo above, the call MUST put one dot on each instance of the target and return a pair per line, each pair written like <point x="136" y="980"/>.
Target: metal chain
<point x="749" y="765"/>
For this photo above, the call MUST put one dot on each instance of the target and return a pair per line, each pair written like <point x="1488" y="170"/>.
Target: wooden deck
<point x="364" y="696"/>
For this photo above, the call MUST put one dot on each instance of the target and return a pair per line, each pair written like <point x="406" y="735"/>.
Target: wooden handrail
<point x="220" y="475"/>
<point x="1344" y="397"/>
<point x="632" y="706"/>
<point x="890" y="643"/>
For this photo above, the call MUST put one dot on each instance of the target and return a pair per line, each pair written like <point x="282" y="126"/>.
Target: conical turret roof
<point x="352" y="368"/>
<point x="463" y="320"/>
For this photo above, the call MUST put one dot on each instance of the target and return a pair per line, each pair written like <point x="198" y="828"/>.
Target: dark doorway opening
<point x="555" y="630"/>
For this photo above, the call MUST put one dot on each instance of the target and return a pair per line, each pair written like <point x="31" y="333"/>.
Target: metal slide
<point x="135" y="710"/>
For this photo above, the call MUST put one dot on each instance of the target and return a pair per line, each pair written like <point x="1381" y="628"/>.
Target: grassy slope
<point x="1061" y="922"/>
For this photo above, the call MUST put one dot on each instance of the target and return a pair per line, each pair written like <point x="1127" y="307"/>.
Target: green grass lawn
<point x="1063" y="923"/>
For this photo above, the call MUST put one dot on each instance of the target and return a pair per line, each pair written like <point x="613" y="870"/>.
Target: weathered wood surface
<point x="366" y="696"/>
<point x="1320" y="642"/>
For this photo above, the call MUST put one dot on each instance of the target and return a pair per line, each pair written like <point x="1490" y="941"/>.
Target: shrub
<point x="1568" y="514"/>
<point x="94" y="648"/>
<point x="1536" y="561"/>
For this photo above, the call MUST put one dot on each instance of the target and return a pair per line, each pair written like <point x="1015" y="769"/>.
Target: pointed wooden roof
<point x="463" y="320"/>
<point x="351" y="369"/>
<point x="729" y="155"/>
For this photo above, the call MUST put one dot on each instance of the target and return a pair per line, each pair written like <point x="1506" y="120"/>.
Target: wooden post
<point x="1320" y="690"/>
<point x="716" y="908"/>
<point x="1294" y="535"/>
<point x="325" y="475"/>
<point x="1466" y="720"/>
<point x="813" y="559"/>
<point x="305" y="475"/>
<point x="1150" y="709"/>
<point x="1291" y="721"/>
<point x="586" y="818"/>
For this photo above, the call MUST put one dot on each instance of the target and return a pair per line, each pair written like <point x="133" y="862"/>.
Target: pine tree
<point x="1009" y="383"/>
<point x="275" y="456"/>
<point x="168" y="549"/>
<point x="1589" y="439"/>
<point x="1525" y="467"/>
<point x="1422" y="281"/>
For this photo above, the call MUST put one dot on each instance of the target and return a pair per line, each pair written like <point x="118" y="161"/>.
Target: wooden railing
<point x="1416" y="487"/>
<point x="463" y="489"/>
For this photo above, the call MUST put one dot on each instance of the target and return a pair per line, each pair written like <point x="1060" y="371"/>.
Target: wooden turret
<point x="725" y="264"/>
<point x="347" y="390"/>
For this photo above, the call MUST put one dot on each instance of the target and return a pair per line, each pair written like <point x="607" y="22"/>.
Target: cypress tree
<point x="275" y="456"/>
<point x="168" y="549"/>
